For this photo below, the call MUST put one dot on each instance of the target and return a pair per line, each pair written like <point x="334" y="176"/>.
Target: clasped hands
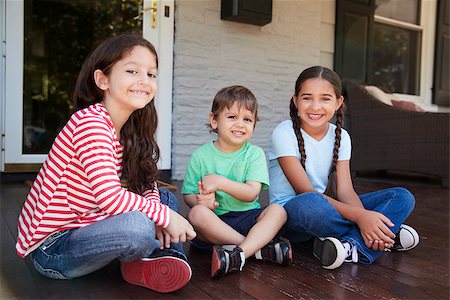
<point x="179" y="229"/>
<point x="374" y="230"/>
<point x="207" y="188"/>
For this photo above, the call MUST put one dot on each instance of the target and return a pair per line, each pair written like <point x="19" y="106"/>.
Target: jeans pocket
<point x="44" y="258"/>
<point x="49" y="273"/>
<point x="52" y="239"/>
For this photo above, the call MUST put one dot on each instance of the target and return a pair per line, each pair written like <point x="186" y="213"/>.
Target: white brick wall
<point x="210" y="53"/>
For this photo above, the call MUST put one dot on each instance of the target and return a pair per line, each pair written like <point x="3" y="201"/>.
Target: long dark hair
<point x="333" y="78"/>
<point x="137" y="136"/>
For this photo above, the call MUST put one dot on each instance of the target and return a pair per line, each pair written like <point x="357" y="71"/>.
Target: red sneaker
<point x="163" y="274"/>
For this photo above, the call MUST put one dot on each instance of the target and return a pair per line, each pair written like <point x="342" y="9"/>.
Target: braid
<point x="337" y="142"/>
<point x="333" y="78"/>
<point x="296" y="125"/>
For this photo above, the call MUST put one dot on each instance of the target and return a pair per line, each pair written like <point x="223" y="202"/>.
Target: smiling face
<point x="131" y="83"/>
<point x="316" y="104"/>
<point x="234" y="127"/>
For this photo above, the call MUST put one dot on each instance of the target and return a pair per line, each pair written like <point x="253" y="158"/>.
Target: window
<point x="397" y="38"/>
<point x="391" y="44"/>
<point x="58" y="36"/>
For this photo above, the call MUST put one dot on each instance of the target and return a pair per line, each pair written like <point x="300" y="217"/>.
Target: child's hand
<point x="374" y="229"/>
<point x="378" y="245"/>
<point x="179" y="229"/>
<point x="208" y="200"/>
<point x="163" y="236"/>
<point x="211" y="183"/>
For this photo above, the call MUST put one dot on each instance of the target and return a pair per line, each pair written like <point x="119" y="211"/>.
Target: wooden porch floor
<point x="422" y="273"/>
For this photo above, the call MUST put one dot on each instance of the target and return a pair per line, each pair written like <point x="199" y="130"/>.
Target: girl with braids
<point x="309" y="169"/>
<point x="77" y="217"/>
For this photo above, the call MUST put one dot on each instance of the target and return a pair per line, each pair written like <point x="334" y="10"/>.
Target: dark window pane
<point x="355" y="45"/>
<point x="58" y="36"/>
<point x="401" y="10"/>
<point x="396" y="59"/>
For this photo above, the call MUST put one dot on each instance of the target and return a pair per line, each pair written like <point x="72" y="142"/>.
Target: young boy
<point x="222" y="184"/>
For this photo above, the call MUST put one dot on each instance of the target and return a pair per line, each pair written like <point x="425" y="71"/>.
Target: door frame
<point x="162" y="37"/>
<point x="11" y="80"/>
<point x="2" y="78"/>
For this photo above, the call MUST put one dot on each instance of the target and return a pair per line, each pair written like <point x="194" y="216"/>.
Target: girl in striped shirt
<point x="77" y="217"/>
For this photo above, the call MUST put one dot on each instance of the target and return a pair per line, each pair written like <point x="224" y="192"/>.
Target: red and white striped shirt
<point x="79" y="183"/>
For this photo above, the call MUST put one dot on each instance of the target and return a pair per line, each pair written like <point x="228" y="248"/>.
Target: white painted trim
<point x="2" y="80"/>
<point x="397" y="23"/>
<point x="162" y="38"/>
<point x="13" y="86"/>
<point x="428" y="21"/>
<point x="428" y="28"/>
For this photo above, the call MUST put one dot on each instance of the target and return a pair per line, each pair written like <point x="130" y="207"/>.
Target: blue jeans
<point x="311" y="215"/>
<point x="77" y="252"/>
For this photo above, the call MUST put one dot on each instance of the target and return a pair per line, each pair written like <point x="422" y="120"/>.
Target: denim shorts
<point x="241" y="221"/>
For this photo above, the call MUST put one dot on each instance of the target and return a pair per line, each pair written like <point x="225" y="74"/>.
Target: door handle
<point x="153" y="11"/>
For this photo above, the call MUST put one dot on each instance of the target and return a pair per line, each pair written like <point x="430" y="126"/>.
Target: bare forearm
<point x="350" y="197"/>
<point x="346" y="210"/>
<point x="239" y="190"/>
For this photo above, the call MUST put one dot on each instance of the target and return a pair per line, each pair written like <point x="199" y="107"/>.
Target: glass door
<point x="46" y="44"/>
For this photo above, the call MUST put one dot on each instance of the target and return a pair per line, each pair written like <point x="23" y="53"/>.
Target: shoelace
<point x="271" y="251"/>
<point x="351" y="253"/>
<point x="234" y="260"/>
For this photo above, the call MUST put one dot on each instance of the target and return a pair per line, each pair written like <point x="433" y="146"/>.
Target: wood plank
<point x="418" y="274"/>
<point x="217" y="289"/>
<point x="17" y="281"/>
<point x="112" y="273"/>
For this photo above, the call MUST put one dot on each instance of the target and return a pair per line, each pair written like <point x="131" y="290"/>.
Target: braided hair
<point x="330" y="76"/>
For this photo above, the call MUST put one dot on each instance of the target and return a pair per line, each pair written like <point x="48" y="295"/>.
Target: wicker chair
<point x="390" y="138"/>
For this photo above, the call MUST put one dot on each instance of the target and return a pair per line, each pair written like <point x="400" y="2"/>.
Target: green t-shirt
<point x="247" y="163"/>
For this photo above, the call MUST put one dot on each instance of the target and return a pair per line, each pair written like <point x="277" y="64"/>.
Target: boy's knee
<point x="197" y="214"/>
<point x="277" y="211"/>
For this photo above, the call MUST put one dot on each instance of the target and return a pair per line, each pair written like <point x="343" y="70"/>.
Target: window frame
<point x="354" y="48"/>
<point x="426" y="28"/>
<point x="12" y="159"/>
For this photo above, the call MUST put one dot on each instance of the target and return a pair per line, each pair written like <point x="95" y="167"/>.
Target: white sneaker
<point x="406" y="238"/>
<point x="351" y="252"/>
<point x="332" y="253"/>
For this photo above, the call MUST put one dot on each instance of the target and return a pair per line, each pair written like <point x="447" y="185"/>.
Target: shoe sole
<point x="161" y="274"/>
<point x="413" y="233"/>
<point x="216" y="265"/>
<point x="324" y="249"/>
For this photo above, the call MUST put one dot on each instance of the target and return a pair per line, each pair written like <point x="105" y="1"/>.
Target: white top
<point x="319" y="157"/>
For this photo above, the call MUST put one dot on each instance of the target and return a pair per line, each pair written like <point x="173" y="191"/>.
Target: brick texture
<point x="210" y="53"/>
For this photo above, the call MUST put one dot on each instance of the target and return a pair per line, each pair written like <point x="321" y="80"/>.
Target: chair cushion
<point x="407" y="105"/>
<point x="380" y="95"/>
